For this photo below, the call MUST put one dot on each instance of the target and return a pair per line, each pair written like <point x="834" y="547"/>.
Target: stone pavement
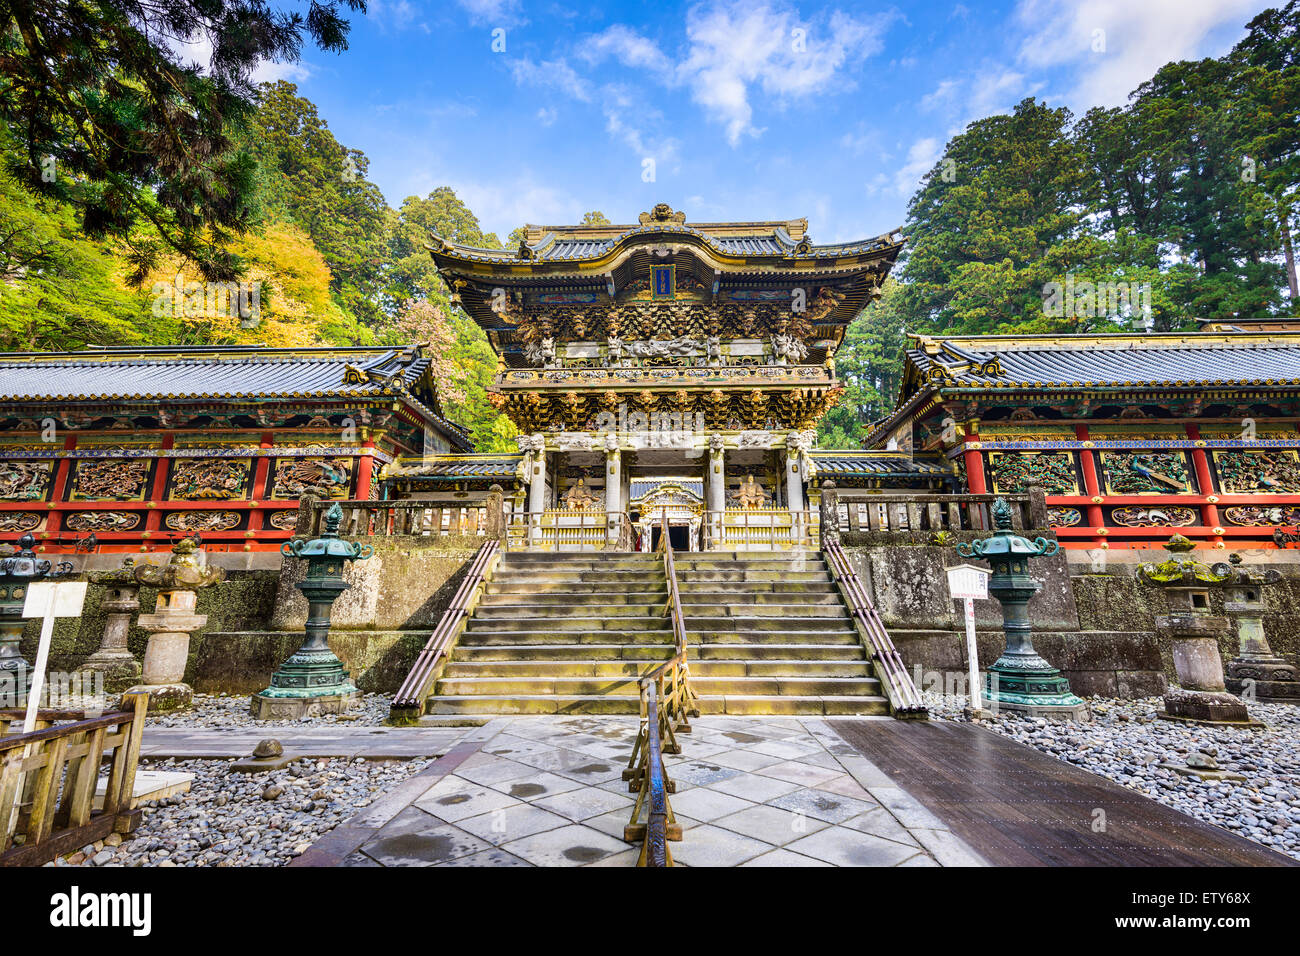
<point x="371" y="743"/>
<point x="548" y="791"/>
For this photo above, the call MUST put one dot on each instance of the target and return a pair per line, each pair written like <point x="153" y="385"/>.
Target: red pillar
<point x="1091" y="483"/>
<point x="1205" y="483"/>
<point x="975" y="482"/>
<point x="158" y="495"/>
<point x="258" y="492"/>
<point x="365" y="469"/>
<point x="54" y="520"/>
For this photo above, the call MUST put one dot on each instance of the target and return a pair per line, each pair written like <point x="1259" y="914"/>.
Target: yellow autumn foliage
<point x="283" y="300"/>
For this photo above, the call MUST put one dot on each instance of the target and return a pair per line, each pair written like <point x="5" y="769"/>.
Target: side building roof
<point x="227" y="373"/>
<point x="944" y="365"/>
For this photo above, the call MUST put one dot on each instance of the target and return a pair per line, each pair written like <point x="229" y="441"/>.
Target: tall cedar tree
<point x="111" y="121"/>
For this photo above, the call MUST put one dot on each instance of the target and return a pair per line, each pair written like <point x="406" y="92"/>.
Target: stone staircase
<point x="571" y="633"/>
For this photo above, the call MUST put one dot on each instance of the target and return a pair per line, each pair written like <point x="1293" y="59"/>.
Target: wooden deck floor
<point x="1019" y="807"/>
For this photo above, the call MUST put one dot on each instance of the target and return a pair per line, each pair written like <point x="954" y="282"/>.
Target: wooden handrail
<point x="49" y="778"/>
<point x="415" y="689"/>
<point x="667" y="701"/>
<point x="904" y="699"/>
<point x="654" y="845"/>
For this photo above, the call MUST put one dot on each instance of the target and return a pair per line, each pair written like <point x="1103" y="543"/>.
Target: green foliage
<point x="58" y="289"/>
<point x="143" y="147"/>
<point x="869" y="365"/>
<point x="312" y="180"/>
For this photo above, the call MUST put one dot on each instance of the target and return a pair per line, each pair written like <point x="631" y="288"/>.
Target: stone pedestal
<point x="1193" y="635"/>
<point x="171" y="624"/>
<point x="112" y="660"/>
<point x="1256" y="673"/>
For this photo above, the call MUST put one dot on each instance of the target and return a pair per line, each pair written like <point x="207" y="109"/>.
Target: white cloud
<point x="618" y="104"/>
<point x="546" y="115"/>
<point x="198" y="52"/>
<point x="996" y="91"/>
<point x="1137" y="38"/>
<point x="627" y="47"/>
<point x="943" y="94"/>
<point x="737" y="47"/>
<point x="556" y="74"/>
<point x="269" y="72"/>
<point x="502" y="207"/>
<point x="392" y="15"/>
<point x="494" y="13"/>
<point x="921" y="157"/>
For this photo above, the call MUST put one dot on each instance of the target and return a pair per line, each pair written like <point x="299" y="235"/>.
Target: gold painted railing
<point x="904" y="699"/>
<point x="667" y="703"/>
<point x="409" y="701"/>
<point x="759" y="529"/>
<point x="48" y="780"/>
<point x="563" y="529"/>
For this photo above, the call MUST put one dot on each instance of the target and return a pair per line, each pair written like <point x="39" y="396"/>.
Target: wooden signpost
<point x="967" y="582"/>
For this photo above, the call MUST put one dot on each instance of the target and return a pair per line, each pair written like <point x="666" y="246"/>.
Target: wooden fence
<point x="49" y="777"/>
<point x="853" y="510"/>
<point x="481" y="515"/>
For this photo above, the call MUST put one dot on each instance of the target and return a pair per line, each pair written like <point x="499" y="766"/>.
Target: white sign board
<point x="55" y="599"/>
<point x="968" y="581"/>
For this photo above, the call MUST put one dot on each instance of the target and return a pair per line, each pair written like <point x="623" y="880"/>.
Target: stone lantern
<point x="17" y="572"/>
<point x="1193" y="634"/>
<point x="313" y="681"/>
<point x="178" y="582"/>
<point x="1020" y="680"/>
<point x="1256" y="672"/>
<point x="112" y="659"/>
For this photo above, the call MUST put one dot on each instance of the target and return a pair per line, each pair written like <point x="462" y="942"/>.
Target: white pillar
<point x="535" y="448"/>
<point x="716" y="490"/>
<point x="613" y="493"/>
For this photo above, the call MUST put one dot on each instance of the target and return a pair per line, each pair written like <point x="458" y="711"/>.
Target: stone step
<point x="534" y="704"/>
<point x="505" y="638"/>
<point x="548" y="599"/>
<point x="700" y="669"/>
<point x="616" y="685"/>
<point x="563" y="652"/>
<point x="738" y="704"/>
<point x="744" y="597"/>
<point x="531" y="612"/>
<point x="691" y="564"/>
<point x="532" y="670"/>
<point x="689" y="585"/>
<point x="734" y="578"/>
<point x="775" y="650"/>
<point x="695" y="613"/>
<point x="568" y="625"/>
<point x="615" y="580"/>
<point x="534" y="558"/>
<point x="526" y="585"/>
<point x="726" y="628"/>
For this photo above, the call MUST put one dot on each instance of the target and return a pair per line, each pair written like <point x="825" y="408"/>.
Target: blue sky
<point x="748" y="110"/>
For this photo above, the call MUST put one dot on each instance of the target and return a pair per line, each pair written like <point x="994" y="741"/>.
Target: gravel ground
<point x="1125" y="741"/>
<point x="236" y="819"/>
<point x="223" y="711"/>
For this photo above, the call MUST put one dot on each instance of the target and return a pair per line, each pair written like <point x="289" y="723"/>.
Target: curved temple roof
<point x="578" y="245"/>
<point x="229" y="373"/>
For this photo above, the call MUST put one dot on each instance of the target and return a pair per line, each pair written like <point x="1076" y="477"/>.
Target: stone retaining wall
<point x="256" y="617"/>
